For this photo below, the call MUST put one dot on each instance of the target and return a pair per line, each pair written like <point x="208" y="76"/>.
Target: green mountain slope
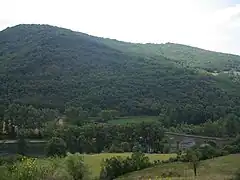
<point x="186" y="56"/>
<point x="53" y="67"/>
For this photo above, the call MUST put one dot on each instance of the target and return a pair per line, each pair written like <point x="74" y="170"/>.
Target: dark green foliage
<point x="22" y="146"/>
<point x="235" y="146"/>
<point x="117" y="166"/>
<point x="208" y="152"/>
<point x="111" y="168"/>
<point x="194" y="158"/>
<point x="204" y="152"/>
<point x="115" y="149"/>
<point x="166" y="148"/>
<point x="51" y="67"/>
<point x="125" y="146"/>
<point x="94" y="138"/>
<point x="225" y="126"/>
<point x="137" y="147"/>
<point x="10" y="160"/>
<point x="25" y="116"/>
<point x="56" y="147"/>
<point x="232" y="149"/>
<point x="76" y="167"/>
<point x="76" y="115"/>
<point x="139" y="161"/>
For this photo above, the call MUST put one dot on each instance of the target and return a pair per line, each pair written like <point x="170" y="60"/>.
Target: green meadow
<point x="221" y="168"/>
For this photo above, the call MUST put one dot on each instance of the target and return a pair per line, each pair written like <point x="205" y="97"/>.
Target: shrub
<point x="69" y="168"/>
<point x="137" y="148"/>
<point x="111" y="168"/>
<point x="166" y="148"/>
<point x="22" y="146"/>
<point x="56" y="147"/>
<point x="117" y="166"/>
<point x="208" y="152"/>
<point x="75" y="166"/>
<point x="140" y="161"/>
<point x="229" y="148"/>
<point x="115" y="149"/>
<point x="125" y="147"/>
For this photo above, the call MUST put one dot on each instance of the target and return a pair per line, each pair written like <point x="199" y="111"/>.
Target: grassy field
<point x="134" y="119"/>
<point x="94" y="161"/>
<point x="221" y="168"/>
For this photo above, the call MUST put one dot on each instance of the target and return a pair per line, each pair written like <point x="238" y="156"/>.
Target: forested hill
<point x="48" y="66"/>
<point x="186" y="56"/>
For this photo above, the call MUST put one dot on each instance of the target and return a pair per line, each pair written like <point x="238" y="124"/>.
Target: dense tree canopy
<point x="50" y="67"/>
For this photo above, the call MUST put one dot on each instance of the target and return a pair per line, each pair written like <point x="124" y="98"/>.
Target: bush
<point x="22" y="146"/>
<point x="56" y="147"/>
<point x="236" y="145"/>
<point x="166" y="148"/>
<point x="75" y="166"/>
<point x="111" y="168"/>
<point x="229" y="148"/>
<point x="115" y="149"/>
<point x="125" y="147"/>
<point x="140" y="161"/>
<point x="117" y="166"/>
<point x="209" y="152"/>
<point x="137" y="148"/>
<point x="69" y="168"/>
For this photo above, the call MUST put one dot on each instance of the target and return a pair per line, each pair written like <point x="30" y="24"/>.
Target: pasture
<point x="221" y="168"/>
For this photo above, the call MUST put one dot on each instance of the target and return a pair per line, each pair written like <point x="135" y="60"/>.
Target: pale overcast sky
<point x="208" y="24"/>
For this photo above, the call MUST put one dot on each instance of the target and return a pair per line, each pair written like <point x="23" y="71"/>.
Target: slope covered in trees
<point x="52" y="67"/>
<point x="183" y="55"/>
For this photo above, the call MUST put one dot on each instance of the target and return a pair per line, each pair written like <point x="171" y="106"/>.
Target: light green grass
<point x="134" y="119"/>
<point x="221" y="168"/>
<point x="94" y="161"/>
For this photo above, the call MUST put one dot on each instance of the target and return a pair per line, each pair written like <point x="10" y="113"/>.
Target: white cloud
<point x="209" y="24"/>
<point x="224" y="26"/>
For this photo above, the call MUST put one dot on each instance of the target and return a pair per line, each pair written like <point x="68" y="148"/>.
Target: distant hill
<point x="48" y="66"/>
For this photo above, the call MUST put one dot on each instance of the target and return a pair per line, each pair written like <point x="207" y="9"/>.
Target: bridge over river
<point x="183" y="141"/>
